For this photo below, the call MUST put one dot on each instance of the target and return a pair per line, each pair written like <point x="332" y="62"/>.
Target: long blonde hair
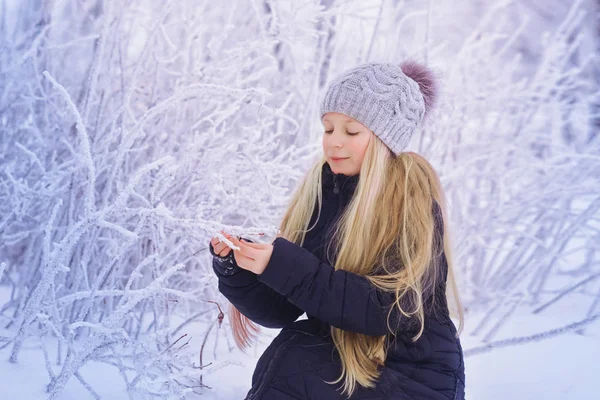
<point x="386" y="233"/>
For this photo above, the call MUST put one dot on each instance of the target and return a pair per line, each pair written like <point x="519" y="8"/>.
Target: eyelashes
<point x="349" y="133"/>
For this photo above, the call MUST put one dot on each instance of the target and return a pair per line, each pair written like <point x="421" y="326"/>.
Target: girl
<point x="362" y="251"/>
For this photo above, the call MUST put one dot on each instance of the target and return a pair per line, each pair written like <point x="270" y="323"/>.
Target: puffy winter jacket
<point x="302" y="356"/>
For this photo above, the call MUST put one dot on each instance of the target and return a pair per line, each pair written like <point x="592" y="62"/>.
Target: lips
<point x="338" y="158"/>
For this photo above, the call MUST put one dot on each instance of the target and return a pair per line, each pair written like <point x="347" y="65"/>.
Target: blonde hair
<point x="386" y="233"/>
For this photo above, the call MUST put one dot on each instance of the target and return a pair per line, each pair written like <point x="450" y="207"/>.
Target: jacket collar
<point x="338" y="182"/>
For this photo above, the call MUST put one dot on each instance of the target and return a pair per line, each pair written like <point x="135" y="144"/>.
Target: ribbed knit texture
<point x="381" y="97"/>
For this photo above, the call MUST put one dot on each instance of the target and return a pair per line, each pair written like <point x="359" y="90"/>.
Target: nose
<point x="336" y="140"/>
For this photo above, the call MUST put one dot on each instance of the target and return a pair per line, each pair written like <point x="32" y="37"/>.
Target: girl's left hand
<point x="253" y="257"/>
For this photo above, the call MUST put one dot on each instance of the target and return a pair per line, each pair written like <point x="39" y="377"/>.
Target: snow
<point x="562" y="367"/>
<point x="132" y="132"/>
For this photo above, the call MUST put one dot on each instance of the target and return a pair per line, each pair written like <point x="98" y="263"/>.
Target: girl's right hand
<point x="220" y="248"/>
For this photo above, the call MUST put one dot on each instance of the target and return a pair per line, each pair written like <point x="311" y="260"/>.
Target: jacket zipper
<point x="336" y="190"/>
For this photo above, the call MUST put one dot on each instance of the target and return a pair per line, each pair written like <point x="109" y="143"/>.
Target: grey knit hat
<point x="391" y="100"/>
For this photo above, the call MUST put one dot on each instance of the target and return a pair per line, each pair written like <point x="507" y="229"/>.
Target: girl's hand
<point x="253" y="257"/>
<point x="221" y="248"/>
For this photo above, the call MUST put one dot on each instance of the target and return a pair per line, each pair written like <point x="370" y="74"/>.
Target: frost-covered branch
<point x="131" y="134"/>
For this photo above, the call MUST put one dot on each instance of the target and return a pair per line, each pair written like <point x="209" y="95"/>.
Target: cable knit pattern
<point x="381" y="97"/>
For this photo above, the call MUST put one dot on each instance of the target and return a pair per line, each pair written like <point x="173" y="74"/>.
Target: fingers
<point x="223" y="252"/>
<point x="253" y="245"/>
<point x="245" y="248"/>
<point x="242" y="259"/>
<point x="220" y="247"/>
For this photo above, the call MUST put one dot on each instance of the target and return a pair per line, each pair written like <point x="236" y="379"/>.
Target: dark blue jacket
<point x="302" y="356"/>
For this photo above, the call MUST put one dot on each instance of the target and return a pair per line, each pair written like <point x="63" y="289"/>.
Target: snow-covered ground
<point x="560" y="367"/>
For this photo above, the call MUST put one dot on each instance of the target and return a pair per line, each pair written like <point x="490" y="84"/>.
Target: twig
<point x="528" y="339"/>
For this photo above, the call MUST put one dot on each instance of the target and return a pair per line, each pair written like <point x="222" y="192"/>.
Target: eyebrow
<point x="346" y="120"/>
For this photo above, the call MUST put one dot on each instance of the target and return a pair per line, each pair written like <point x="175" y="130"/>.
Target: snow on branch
<point x="132" y="134"/>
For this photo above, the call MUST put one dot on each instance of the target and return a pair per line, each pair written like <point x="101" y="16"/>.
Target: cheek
<point x="358" y="147"/>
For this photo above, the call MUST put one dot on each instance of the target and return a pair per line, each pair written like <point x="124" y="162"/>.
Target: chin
<point x="340" y="170"/>
<point x="334" y="167"/>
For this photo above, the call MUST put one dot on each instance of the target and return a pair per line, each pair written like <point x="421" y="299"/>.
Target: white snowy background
<point x="132" y="131"/>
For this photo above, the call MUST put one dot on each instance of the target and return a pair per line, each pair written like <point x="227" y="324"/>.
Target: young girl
<point x="362" y="251"/>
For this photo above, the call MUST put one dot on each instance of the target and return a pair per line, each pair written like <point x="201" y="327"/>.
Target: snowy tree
<point x="131" y="132"/>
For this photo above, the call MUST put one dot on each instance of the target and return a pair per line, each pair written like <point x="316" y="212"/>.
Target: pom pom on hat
<point x="426" y="80"/>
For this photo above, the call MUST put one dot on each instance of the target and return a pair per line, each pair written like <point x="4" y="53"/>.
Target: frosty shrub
<point x="131" y="132"/>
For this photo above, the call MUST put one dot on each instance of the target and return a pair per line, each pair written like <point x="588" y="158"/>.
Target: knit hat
<point x="391" y="100"/>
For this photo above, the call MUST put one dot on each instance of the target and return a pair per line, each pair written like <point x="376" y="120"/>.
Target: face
<point x="345" y="138"/>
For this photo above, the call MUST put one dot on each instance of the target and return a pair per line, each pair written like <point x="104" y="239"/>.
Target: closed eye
<point x="349" y="133"/>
